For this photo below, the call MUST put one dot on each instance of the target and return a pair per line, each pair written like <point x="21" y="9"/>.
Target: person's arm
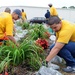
<point x="12" y="39"/>
<point x="26" y="17"/>
<point x="14" y="29"/>
<point x="54" y="51"/>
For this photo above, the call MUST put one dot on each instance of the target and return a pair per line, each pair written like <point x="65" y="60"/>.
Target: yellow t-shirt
<point x="6" y="24"/>
<point x="53" y="11"/>
<point x="23" y="15"/>
<point x="67" y="32"/>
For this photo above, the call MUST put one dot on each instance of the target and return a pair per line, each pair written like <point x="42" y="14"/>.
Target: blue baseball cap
<point x="18" y="12"/>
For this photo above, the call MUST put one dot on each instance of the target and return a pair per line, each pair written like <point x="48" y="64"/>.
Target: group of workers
<point x="51" y="12"/>
<point x="64" y="45"/>
<point x="7" y="24"/>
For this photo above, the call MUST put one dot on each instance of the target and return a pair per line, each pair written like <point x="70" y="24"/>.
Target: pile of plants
<point x="28" y="51"/>
<point x="24" y="25"/>
<point x="38" y="31"/>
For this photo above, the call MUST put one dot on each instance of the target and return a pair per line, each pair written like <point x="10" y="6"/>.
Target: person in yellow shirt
<point x="65" y="42"/>
<point x="53" y="11"/>
<point x="6" y="25"/>
<point x="8" y="10"/>
<point x="24" y="16"/>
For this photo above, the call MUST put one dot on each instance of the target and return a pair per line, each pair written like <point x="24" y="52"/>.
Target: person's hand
<point x="17" y="45"/>
<point x="45" y="63"/>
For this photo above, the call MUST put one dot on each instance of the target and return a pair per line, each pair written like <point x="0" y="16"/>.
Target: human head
<point x="22" y="10"/>
<point x="55" y="23"/>
<point x="8" y="10"/>
<point x="50" y="5"/>
<point x="16" y="14"/>
<point x="47" y="10"/>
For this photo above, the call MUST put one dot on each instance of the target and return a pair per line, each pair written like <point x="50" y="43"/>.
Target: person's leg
<point x="67" y="56"/>
<point x="71" y="47"/>
<point x="67" y="53"/>
<point x="52" y="46"/>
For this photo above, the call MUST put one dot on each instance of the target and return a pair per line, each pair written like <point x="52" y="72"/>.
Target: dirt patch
<point x="24" y="71"/>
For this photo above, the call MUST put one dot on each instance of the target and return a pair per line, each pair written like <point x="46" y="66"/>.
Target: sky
<point x="38" y="3"/>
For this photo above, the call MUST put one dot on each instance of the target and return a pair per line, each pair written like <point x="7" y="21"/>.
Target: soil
<point x="19" y="70"/>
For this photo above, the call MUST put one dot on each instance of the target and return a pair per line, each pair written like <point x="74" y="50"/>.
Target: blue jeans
<point x="67" y="53"/>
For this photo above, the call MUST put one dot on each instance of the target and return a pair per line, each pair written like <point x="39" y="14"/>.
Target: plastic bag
<point x="47" y="71"/>
<point x="54" y="66"/>
<point x="57" y="59"/>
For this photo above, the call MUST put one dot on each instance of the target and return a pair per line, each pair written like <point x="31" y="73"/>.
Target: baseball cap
<point x="18" y="12"/>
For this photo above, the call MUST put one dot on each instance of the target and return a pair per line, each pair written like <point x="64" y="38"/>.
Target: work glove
<point x="45" y="63"/>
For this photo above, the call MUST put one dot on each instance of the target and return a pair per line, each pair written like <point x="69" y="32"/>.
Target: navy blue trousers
<point x="67" y="53"/>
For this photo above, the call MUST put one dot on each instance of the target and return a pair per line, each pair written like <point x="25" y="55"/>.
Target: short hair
<point x="22" y="10"/>
<point x="47" y="10"/>
<point x="7" y="10"/>
<point x="53" y="20"/>
<point x="50" y="5"/>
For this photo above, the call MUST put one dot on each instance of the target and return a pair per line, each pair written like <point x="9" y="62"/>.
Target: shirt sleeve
<point x="64" y="36"/>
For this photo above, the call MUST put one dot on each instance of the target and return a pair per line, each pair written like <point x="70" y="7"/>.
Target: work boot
<point x="69" y="69"/>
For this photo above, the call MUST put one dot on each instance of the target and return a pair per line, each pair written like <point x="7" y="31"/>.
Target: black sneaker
<point x="69" y="69"/>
